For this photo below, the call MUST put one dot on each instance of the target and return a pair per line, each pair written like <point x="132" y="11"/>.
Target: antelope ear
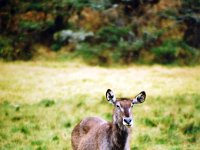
<point x="140" y="98"/>
<point x="110" y="96"/>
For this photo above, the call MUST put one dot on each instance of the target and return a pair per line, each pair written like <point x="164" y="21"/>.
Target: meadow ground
<point x="40" y="103"/>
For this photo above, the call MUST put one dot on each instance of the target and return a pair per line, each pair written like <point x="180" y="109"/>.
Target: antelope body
<point x="94" y="133"/>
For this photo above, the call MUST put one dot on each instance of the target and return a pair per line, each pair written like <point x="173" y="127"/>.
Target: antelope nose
<point x="128" y="120"/>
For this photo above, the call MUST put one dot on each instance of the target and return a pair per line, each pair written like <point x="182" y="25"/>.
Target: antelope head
<point x="123" y="107"/>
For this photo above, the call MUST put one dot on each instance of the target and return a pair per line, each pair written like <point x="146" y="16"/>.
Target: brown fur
<point x="94" y="133"/>
<point x="97" y="134"/>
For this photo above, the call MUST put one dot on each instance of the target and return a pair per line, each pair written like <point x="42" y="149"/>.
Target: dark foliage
<point x="131" y="31"/>
<point x="190" y="14"/>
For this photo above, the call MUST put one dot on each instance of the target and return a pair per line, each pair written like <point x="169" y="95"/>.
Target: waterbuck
<point x="94" y="133"/>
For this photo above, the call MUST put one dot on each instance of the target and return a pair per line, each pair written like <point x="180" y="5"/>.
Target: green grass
<point x="41" y="102"/>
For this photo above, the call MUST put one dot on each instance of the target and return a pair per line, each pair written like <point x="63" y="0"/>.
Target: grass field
<point x="40" y="103"/>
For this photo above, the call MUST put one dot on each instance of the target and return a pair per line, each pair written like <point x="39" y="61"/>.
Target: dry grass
<point x="40" y="102"/>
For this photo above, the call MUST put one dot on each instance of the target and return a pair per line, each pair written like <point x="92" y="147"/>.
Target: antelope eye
<point x="117" y="106"/>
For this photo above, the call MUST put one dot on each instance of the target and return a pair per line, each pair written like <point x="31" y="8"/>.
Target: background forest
<point x="101" y="31"/>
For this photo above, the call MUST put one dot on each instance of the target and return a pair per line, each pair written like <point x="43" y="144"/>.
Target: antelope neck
<point x="119" y="137"/>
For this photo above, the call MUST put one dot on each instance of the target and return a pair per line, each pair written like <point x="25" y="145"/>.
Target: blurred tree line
<point x="103" y="31"/>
